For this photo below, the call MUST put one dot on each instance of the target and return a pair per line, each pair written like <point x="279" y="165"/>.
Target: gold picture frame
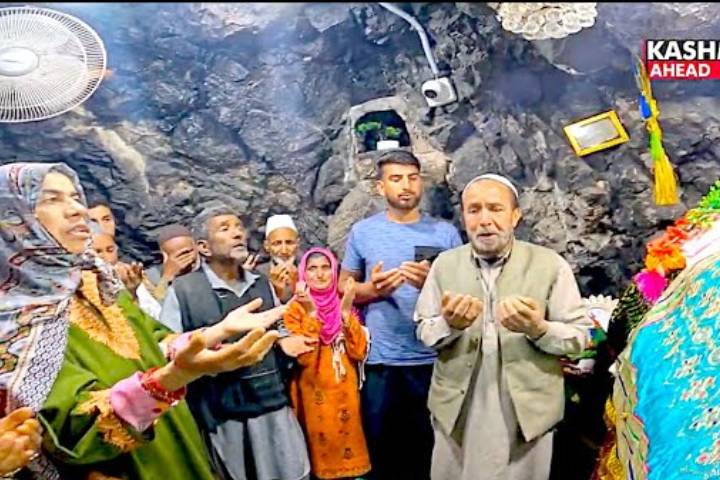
<point x="596" y="133"/>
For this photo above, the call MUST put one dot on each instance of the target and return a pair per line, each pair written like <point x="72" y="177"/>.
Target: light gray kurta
<point x="277" y="447"/>
<point x="487" y="443"/>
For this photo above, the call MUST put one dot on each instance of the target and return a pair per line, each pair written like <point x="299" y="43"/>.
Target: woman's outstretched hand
<point x="195" y="359"/>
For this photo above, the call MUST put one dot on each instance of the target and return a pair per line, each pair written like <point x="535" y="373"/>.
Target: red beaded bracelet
<point x="153" y="387"/>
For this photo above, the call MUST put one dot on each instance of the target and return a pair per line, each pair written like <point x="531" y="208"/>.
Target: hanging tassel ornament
<point x="665" y="182"/>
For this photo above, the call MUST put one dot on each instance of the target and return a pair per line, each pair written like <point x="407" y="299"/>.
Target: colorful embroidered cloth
<point x="664" y="260"/>
<point x="667" y="396"/>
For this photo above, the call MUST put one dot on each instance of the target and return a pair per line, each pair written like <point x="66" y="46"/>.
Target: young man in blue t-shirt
<point x="389" y="255"/>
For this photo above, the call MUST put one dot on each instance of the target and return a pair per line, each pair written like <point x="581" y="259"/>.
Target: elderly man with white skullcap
<point x="500" y="312"/>
<point x="281" y="243"/>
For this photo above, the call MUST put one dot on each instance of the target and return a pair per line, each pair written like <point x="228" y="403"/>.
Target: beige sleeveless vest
<point x="534" y="377"/>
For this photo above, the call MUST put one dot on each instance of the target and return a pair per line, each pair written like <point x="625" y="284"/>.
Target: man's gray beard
<point x="240" y="257"/>
<point x="481" y="250"/>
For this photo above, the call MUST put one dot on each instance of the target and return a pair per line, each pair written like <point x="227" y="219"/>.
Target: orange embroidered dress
<point x="326" y="397"/>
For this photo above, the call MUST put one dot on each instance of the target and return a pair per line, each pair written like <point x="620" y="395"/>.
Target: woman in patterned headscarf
<point x="76" y="350"/>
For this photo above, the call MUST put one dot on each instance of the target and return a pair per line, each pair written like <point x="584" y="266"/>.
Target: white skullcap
<point x="279" y="221"/>
<point x="494" y="177"/>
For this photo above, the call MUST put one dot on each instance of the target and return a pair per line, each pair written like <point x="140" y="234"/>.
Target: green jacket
<point x="80" y="443"/>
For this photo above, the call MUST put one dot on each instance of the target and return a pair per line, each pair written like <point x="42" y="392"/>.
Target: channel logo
<point x="682" y="59"/>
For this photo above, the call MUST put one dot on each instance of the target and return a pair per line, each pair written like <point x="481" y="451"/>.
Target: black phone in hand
<point x="426" y="253"/>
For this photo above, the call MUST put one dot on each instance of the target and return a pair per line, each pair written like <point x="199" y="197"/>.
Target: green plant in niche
<point x="366" y="127"/>
<point x="392" y="133"/>
<point x="373" y="132"/>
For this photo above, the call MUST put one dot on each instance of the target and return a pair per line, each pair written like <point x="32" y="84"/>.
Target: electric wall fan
<point x="50" y="62"/>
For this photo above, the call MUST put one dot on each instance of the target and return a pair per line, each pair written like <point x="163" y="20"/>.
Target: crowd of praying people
<point x="408" y="355"/>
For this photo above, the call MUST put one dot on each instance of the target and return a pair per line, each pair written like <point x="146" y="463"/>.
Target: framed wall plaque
<point x="596" y="133"/>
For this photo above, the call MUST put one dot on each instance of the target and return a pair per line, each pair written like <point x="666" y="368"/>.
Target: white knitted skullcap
<point x="496" y="178"/>
<point x="279" y="221"/>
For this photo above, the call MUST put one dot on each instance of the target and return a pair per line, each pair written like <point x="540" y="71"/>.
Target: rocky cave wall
<point x="247" y="104"/>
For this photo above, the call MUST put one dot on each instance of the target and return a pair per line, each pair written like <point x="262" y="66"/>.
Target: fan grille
<point x="50" y="62"/>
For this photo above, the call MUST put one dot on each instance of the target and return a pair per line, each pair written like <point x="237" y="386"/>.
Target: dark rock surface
<point x="246" y="104"/>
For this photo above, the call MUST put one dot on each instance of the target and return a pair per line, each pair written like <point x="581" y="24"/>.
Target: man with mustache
<point x="389" y="256"/>
<point x="500" y="313"/>
<point x="245" y="416"/>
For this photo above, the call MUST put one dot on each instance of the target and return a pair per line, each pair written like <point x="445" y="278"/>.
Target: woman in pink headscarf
<point x="325" y="391"/>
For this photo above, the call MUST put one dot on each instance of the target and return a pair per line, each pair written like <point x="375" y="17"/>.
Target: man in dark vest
<point x="245" y="415"/>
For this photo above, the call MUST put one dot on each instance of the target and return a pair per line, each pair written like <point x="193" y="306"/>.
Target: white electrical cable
<point x="421" y="31"/>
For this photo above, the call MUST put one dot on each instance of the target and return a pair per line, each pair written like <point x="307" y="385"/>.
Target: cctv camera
<point x="439" y="92"/>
